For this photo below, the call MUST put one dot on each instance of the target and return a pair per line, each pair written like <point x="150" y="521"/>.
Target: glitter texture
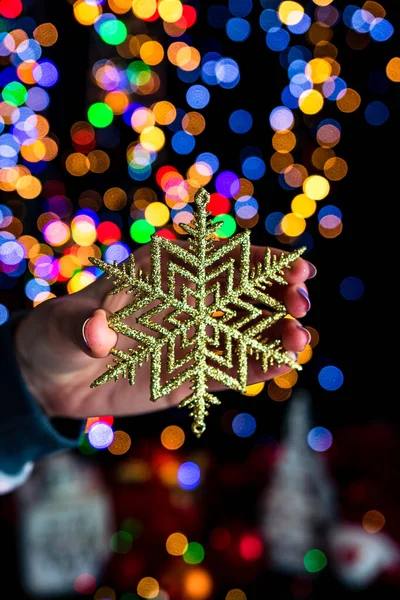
<point x="237" y="324"/>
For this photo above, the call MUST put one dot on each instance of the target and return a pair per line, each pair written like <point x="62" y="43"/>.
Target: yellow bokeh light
<point x="199" y="174"/>
<point x="295" y="175"/>
<point x="305" y="355"/>
<point x="148" y="587"/>
<point x="316" y="187"/>
<point x="278" y="394"/>
<point x="83" y="231"/>
<point x="46" y="34"/>
<point x="311" y="102"/>
<point x="293" y="225"/>
<point x="170" y="10"/>
<point x="86" y="14"/>
<point x="120" y="7"/>
<point x="188" y="58"/>
<point x="287" y="380"/>
<point x="42" y="297"/>
<point x="67" y="265"/>
<point x="144" y="9"/>
<point x="373" y="521"/>
<point x="284" y="141"/>
<point x="280" y="162"/>
<point x="335" y="168"/>
<point x="393" y="69"/>
<point x="321" y="155"/>
<point x="197" y="584"/>
<point x="153" y="139"/>
<point x="236" y="594"/>
<point x="172" y="437"/>
<point x="34" y="152"/>
<point x="117" y="101"/>
<point x="303" y="206"/>
<point x="157" y="214"/>
<point x="28" y="187"/>
<point x="318" y="70"/>
<point x="290" y="13"/>
<point x="319" y="32"/>
<point x="375" y="9"/>
<point x="177" y="544"/>
<point x="164" y="112"/>
<point x="173" y="50"/>
<point x="254" y="389"/>
<point x="151" y="52"/>
<point x="80" y="281"/>
<point x="193" y="123"/>
<point x="142" y="118"/>
<point x="77" y="164"/>
<point x="99" y="161"/>
<point x="105" y="593"/>
<point x="349" y="102"/>
<point x="120" y="444"/>
<point x="115" y="198"/>
<point x="322" y="2"/>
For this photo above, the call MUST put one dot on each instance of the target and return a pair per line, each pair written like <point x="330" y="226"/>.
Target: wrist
<point x="24" y="347"/>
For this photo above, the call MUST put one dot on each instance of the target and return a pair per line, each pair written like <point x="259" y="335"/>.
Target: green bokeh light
<point x="194" y="553"/>
<point x="315" y="561"/>
<point x="84" y="446"/>
<point x="113" y="32"/>
<point x="132" y="526"/>
<point x="138" y="72"/>
<point x="141" y="231"/>
<point x="14" y="93"/>
<point x="121" y="542"/>
<point x="228" y="228"/>
<point x="100" y="115"/>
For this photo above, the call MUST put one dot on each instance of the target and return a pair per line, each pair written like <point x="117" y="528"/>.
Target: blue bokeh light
<point x="319" y="439"/>
<point x="197" y="96"/>
<point x="376" y="113"/>
<point x="240" y="121"/>
<point x="189" y="475"/>
<point x="244" y="425"/>
<point x="352" y="288"/>
<point x="330" y="378"/>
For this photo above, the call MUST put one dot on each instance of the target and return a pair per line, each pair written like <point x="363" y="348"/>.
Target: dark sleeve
<point x="26" y="434"/>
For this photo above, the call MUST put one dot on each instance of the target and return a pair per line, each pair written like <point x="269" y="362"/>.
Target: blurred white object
<point x="8" y="483"/>
<point x="359" y="556"/>
<point x="65" y="524"/>
<point x="298" y="508"/>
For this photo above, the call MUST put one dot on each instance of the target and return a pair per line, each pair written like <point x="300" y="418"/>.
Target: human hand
<point x="58" y="366"/>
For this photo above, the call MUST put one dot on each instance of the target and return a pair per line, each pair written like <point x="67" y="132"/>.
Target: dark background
<point x="353" y="335"/>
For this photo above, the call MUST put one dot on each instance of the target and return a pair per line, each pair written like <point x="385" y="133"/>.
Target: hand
<point x="58" y="366"/>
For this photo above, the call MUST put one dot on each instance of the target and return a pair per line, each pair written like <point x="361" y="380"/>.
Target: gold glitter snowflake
<point x="206" y="329"/>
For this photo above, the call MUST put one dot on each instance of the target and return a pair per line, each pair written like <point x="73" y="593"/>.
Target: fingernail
<point x="303" y="293"/>
<point x="312" y="270"/>
<point x="83" y="331"/>
<point x="293" y="355"/>
<point x="301" y="328"/>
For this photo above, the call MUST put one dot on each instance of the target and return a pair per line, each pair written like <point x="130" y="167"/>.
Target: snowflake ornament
<point x="197" y="316"/>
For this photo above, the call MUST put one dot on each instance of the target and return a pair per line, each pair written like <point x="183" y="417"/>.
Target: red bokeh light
<point x="166" y="233"/>
<point x="108" y="233"/>
<point x="250" y="547"/>
<point x="218" y="204"/>
<point x="85" y="584"/>
<point x="10" y="8"/>
<point x="163" y="171"/>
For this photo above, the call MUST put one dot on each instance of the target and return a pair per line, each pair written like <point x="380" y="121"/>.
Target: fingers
<point x="98" y="336"/>
<point x="296" y="299"/>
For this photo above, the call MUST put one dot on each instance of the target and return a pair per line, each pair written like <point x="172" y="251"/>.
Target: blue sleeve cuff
<point x="26" y="434"/>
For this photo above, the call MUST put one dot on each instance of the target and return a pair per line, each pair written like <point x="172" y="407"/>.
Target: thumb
<point x="97" y="335"/>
